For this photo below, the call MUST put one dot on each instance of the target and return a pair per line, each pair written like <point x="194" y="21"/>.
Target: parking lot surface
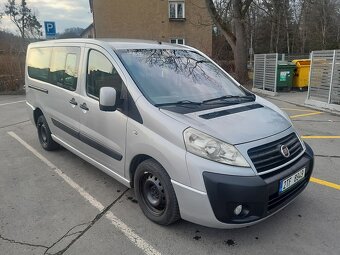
<point x="56" y="203"/>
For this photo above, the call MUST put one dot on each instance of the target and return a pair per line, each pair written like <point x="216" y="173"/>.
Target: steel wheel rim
<point x="153" y="193"/>
<point x="43" y="133"/>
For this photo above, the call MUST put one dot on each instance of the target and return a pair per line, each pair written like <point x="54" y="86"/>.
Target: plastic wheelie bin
<point x="285" y="74"/>
<point x="301" y="77"/>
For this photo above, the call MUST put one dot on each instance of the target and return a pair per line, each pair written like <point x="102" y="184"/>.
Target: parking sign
<point x="50" y="28"/>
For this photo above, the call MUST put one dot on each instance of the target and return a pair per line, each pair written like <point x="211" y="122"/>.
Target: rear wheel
<point x="155" y="193"/>
<point x="44" y="135"/>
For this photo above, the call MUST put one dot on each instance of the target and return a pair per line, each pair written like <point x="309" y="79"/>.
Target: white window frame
<point x="176" y="3"/>
<point x="176" y="39"/>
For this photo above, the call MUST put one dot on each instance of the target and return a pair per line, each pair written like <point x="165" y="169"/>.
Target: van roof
<point x="116" y="43"/>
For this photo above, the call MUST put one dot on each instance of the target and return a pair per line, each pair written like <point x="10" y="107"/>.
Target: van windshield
<point x="179" y="77"/>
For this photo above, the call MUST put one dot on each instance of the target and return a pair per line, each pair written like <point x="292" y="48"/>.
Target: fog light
<point x="238" y="210"/>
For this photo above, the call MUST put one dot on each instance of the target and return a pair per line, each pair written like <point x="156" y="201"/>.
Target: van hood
<point x="236" y="124"/>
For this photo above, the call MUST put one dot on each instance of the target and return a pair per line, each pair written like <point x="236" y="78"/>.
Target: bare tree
<point x="301" y="11"/>
<point x="323" y="22"/>
<point x="230" y="17"/>
<point x="338" y="27"/>
<point x="286" y="14"/>
<point x="23" y="18"/>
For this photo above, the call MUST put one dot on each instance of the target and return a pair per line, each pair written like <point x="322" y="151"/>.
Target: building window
<point x="176" y="10"/>
<point x="177" y="41"/>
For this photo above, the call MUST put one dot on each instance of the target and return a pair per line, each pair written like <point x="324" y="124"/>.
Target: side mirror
<point x="107" y="99"/>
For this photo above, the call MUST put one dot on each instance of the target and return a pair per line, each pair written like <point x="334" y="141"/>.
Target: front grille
<point x="268" y="156"/>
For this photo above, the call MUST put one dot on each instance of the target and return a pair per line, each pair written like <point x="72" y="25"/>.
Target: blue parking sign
<point x="50" y="28"/>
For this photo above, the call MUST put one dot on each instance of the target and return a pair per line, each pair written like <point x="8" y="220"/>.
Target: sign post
<point x="50" y="29"/>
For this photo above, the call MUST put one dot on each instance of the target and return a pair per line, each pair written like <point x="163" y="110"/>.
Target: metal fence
<point x="291" y="57"/>
<point x="265" y="72"/>
<point x="324" y="80"/>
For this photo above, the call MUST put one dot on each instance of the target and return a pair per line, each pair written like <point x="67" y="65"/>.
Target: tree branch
<point x="221" y="25"/>
<point x="245" y="7"/>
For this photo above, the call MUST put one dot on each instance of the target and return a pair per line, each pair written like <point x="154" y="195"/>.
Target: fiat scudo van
<point x="167" y="121"/>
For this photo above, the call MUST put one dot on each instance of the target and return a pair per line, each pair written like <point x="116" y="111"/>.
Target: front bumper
<point x="259" y="195"/>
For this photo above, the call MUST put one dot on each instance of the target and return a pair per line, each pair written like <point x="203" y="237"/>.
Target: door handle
<point x="73" y="101"/>
<point x="84" y="106"/>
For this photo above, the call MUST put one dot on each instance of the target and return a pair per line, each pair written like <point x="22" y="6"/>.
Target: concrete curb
<point x="264" y="92"/>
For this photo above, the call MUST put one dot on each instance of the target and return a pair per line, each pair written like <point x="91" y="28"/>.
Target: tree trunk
<point x="241" y="49"/>
<point x="302" y="31"/>
<point x="338" y="37"/>
<point x="217" y="20"/>
<point x="287" y="34"/>
<point x="323" y="25"/>
<point x="271" y="45"/>
<point x="237" y="39"/>
<point x="286" y="14"/>
<point x="23" y="25"/>
<point x="278" y="33"/>
<point x="240" y="52"/>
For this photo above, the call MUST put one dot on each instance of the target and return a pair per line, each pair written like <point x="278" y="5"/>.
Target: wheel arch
<point x="36" y="113"/>
<point x="134" y="164"/>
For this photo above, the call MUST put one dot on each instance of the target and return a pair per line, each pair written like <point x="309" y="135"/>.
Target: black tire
<point x="155" y="193"/>
<point x="44" y="135"/>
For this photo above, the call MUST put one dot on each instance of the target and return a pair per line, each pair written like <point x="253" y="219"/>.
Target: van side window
<point x="101" y="73"/>
<point x="38" y="63"/>
<point x="64" y="67"/>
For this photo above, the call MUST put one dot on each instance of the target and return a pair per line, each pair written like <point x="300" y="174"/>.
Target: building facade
<point x="176" y="21"/>
<point x="88" y="32"/>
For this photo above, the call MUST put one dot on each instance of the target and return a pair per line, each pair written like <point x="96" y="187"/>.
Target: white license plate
<point x="291" y="180"/>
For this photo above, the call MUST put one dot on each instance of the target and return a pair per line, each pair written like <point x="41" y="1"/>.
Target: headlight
<point x="213" y="149"/>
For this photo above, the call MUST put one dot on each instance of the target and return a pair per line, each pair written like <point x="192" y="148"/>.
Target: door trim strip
<point x="89" y="141"/>
<point x="39" y="89"/>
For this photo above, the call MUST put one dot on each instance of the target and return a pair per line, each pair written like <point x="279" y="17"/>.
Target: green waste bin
<point x="285" y="74"/>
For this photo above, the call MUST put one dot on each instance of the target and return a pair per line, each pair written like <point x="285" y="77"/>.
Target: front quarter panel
<point x="272" y="106"/>
<point x="159" y="137"/>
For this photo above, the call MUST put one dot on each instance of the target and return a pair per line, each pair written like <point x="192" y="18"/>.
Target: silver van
<point x="169" y="122"/>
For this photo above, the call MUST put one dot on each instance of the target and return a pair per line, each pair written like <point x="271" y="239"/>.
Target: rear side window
<point x="38" y="63"/>
<point x="64" y="67"/>
<point x="101" y="73"/>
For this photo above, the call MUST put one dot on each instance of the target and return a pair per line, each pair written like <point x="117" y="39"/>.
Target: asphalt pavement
<point x="56" y="203"/>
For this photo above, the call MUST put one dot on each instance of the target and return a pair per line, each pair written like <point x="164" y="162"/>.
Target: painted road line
<point x="116" y="222"/>
<point x="298" y="110"/>
<point x="320" y="137"/>
<point x="325" y="183"/>
<point x="304" y="115"/>
<point x="16" y="102"/>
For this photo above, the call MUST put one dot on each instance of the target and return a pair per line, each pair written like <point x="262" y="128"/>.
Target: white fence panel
<point x="335" y="87"/>
<point x="265" y="66"/>
<point x="324" y="80"/>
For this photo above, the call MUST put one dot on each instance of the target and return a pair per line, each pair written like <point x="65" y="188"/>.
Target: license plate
<point x="291" y="180"/>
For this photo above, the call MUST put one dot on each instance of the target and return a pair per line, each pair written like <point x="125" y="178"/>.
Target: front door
<point x="103" y="133"/>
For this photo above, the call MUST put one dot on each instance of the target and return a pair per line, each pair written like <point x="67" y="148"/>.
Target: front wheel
<point x="155" y="193"/>
<point x="44" y="135"/>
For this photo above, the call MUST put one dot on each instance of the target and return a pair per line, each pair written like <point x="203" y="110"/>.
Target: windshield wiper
<point x="226" y="98"/>
<point x="181" y="103"/>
